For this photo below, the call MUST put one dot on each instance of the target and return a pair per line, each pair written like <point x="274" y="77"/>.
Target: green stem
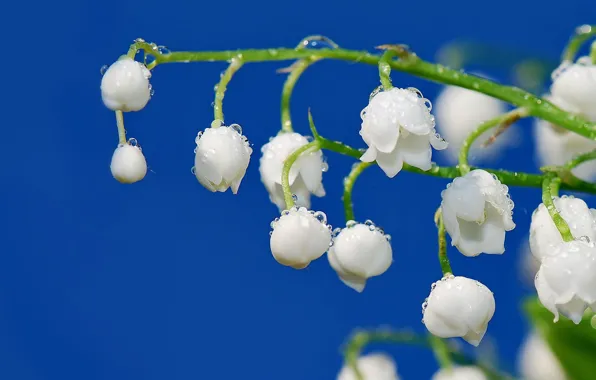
<point x="547" y="199"/>
<point x="410" y="63"/>
<point x="296" y="71"/>
<point x="578" y="160"/>
<point x="582" y="34"/>
<point x="349" y="182"/>
<point x="385" y="69"/>
<point x="506" y="120"/>
<point x="120" y="125"/>
<point x="220" y="90"/>
<point x="443" y="258"/>
<point x="285" y="173"/>
<point x="441" y="351"/>
<point x="593" y="52"/>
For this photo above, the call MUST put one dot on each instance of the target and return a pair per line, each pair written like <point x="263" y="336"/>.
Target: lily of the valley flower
<point x="221" y="157"/>
<point x="458" y="307"/>
<point x="398" y="127"/>
<point x="376" y="366"/>
<point x="299" y="236"/>
<point x="460" y="373"/>
<point x="306" y="174"/>
<point x="544" y="235"/>
<point x="566" y="281"/>
<point x="460" y="111"/>
<point x="477" y="211"/>
<point x="125" y="85"/>
<point x="537" y="361"/>
<point x="575" y="84"/>
<point x="360" y="251"/>
<point x="128" y="163"/>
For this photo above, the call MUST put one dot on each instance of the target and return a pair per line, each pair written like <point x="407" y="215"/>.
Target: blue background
<point x="165" y="280"/>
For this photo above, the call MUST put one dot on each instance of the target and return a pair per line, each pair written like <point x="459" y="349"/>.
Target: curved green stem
<point x="120" y="125"/>
<point x="220" y="89"/>
<point x="385" y="69"/>
<point x="441" y="351"/>
<point x="409" y="63"/>
<point x="504" y="120"/>
<point x="582" y="34"/>
<point x="349" y="182"/>
<point x="593" y="52"/>
<point x="578" y="160"/>
<point x="296" y="71"/>
<point x="548" y="185"/>
<point x="443" y="258"/>
<point x="285" y="173"/>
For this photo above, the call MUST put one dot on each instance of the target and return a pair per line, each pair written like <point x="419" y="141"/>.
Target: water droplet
<point x="369" y="223"/>
<point x="585" y="239"/>
<point x="133" y="142"/>
<point x="270" y="233"/>
<point x="318" y="42"/>
<point x="375" y="92"/>
<point x="103" y="69"/>
<point x="237" y="128"/>
<point x="321" y="217"/>
<point x="193" y="170"/>
<point x="163" y="50"/>
<point x="416" y="91"/>
<point x="285" y="212"/>
<point x="295" y="197"/>
<point x="324" y="165"/>
<point x="148" y="59"/>
<point x="351" y="223"/>
<point x="331" y="243"/>
<point x="388" y="237"/>
<point x="336" y="231"/>
<point x="309" y="138"/>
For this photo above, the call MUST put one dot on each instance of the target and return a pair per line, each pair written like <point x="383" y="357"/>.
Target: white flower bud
<point x="575" y="84"/>
<point x="359" y="252"/>
<point x="458" y="307"/>
<point x="460" y="111"/>
<point x="537" y="361"/>
<point x="128" y="163"/>
<point x="398" y="127"/>
<point x="460" y="373"/>
<point x="376" y="366"/>
<point x="306" y="174"/>
<point x="221" y="158"/>
<point x="299" y="236"/>
<point x="477" y="211"/>
<point x="125" y="86"/>
<point x="566" y="281"/>
<point x="544" y="235"/>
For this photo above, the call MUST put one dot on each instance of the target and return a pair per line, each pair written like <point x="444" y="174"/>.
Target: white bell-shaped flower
<point x="128" y="163"/>
<point x="477" y="211"/>
<point x="375" y="366"/>
<point x="460" y="373"/>
<point x="221" y="157"/>
<point x="566" y="281"/>
<point x="458" y="307"/>
<point x="299" y="236"/>
<point x="125" y="85"/>
<point x="359" y="252"/>
<point x="460" y="111"/>
<point x="544" y="235"/>
<point x="575" y="84"/>
<point x="398" y="127"/>
<point x="537" y="362"/>
<point x="306" y="174"/>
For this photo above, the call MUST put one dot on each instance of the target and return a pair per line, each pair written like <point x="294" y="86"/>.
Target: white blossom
<point x="460" y="111"/>
<point x="359" y="252"/>
<point x="460" y="373"/>
<point x="477" y="211"/>
<point x="128" y="163"/>
<point x="398" y="127"/>
<point x="537" y="362"/>
<point x="125" y="85"/>
<point x="299" y="236"/>
<point x="221" y="157"/>
<point x="544" y="235"/>
<point x="566" y="281"/>
<point x="306" y="174"/>
<point x="458" y="307"/>
<point x="575" y="84"/>
<point x="375" y="366"/>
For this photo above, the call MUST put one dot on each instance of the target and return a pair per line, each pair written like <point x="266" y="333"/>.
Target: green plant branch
<point x="120" y="125"/>
<point x="285" y="173"/>
<point x="409" y="63"/>
<point x="580" y="159"/>
<point x="548" y="185"/>
<point x="443" y="258"/>
<point x="349" y="182"/>
<point x="385" y="69"/>
<point x="441" y="351"/>
<point x="295" y="70"/>
<point x="220" y="88"/>
<point x="582" y="34"/>
<point x="504" y="120"/>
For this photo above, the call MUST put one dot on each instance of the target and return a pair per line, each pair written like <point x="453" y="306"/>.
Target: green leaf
<point x="574" y="345"/>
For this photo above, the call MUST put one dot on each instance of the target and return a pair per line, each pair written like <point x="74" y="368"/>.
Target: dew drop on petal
<point x="133" y="142"/>
<point x="387" y="237"/>
<point x="351" y="223"/>
<point x="285" y="212"/>
<point x="295" y="197"/>
<point x="369" y="223"/>
<point x="309" y="138"/>
<point x="375" y="92"/>
<point x="336" y="231"/>
<point x="193" y="170"/>
<point x="237" y="128"/>
<point x="585" y="239"/>
<point x="324" y="166"/>
<point x="321" y="217"/>
<point x="103" y="69"/>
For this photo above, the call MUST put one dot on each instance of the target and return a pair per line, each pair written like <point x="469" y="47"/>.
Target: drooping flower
<point x="375" y="366"/>
<point x="299" y="236"/>
<point x="458" y="307"/>
<point x="125" y="85"/>
<point x="477" y="211"/>
<point x="544" y="235"/>
<point x="575" y="84"/>
<point x="398" y="127"/>
<point x="566" y="281"/>
<point x="537" y="362"/>
<point x="359" y="252"/>
<point x="460" y="111"/>
<point x="460" y="373"/>
<point x="128" y="163"/>
<point x="306" y="174"/>
<point x="221" y="157"/>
